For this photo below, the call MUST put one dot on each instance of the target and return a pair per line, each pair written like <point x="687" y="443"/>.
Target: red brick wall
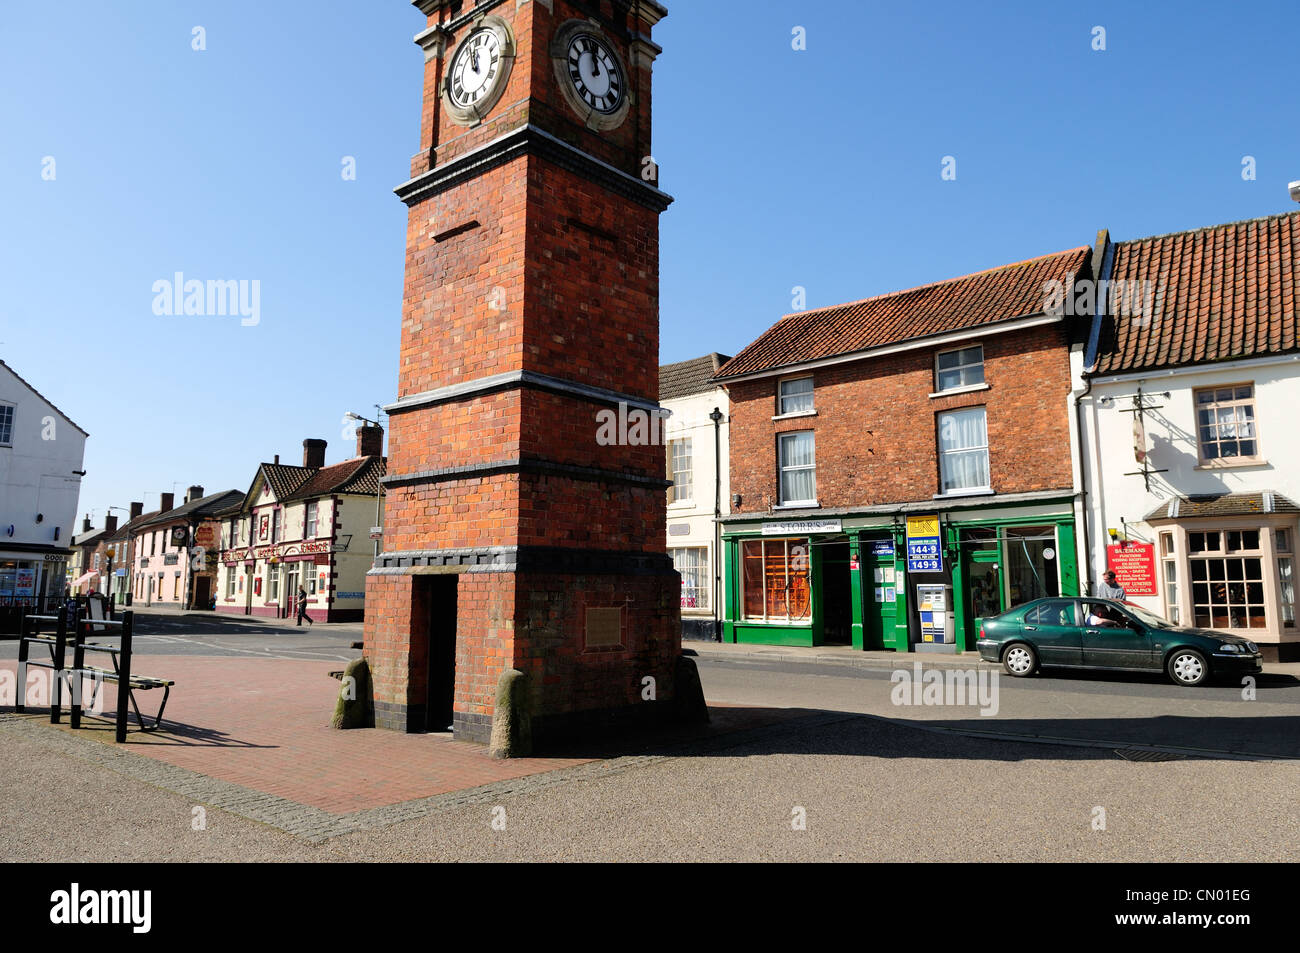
<point x="876" y="433"/>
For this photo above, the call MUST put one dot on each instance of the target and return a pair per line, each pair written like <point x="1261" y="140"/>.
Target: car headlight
<point x="1231" y="647"/>
<point x="1252" y="647"/>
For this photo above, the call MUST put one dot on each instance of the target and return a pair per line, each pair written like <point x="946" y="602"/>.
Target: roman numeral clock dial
<point x="591" y="73"/>
<point x="477" y="74"/>
<point x="595" y="74"/>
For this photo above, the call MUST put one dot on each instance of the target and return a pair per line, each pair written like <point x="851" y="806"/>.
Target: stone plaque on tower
<point x="518" y="536"/>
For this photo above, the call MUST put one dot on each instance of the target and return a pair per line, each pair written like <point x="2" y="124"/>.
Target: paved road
<point x="1115" y="708"/>
<point x="207" y="634"/>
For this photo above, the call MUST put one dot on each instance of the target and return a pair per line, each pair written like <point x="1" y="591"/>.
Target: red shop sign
<point x="1135" y="567"/>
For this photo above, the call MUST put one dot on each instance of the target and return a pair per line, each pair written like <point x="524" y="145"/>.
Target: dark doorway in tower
<point x="837" y="595"/>
<point x="439" y="609"/>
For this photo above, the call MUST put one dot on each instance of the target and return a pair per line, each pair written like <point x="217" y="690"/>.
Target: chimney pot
<point x="313" y="453"/>
<point x="370" y="441"/>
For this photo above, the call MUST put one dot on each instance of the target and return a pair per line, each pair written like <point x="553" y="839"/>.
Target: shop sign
<point x="923" y="552"/>
<point x="1135" y="567"/>
<point x="882" y="547"/>
<point x="24" y="581"/>
<point x="205" y="535"/>
<point x="801" y="527"/>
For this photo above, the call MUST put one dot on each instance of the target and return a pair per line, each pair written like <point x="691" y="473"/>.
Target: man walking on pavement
<point x="302" y="607"/>
<point x="1108" y="588"/>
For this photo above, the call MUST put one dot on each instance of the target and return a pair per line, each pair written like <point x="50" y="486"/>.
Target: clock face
<point x="595" y="73"/>
<point x="476" y="70"/>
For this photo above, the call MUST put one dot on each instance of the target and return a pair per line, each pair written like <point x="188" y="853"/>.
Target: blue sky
<point x="817" y="168"/>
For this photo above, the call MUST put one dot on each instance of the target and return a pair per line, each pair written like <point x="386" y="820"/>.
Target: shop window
<point x="963" y="367"/>
<point x="1031" y="563"/>
<point x="1225" y="420"/>
<point x="6" y="425"/>
<point x="309" y="531"/>
<point x="774" y="580"/>
<point x="796" y="396"/>
<point x="1169" y="569"/>
<point x="679" y="470"/>
<point x="963" y="450"/>
<point x="798" y="468"/>
<point x="1227" y="579"/>
<point x="693" y="564"/>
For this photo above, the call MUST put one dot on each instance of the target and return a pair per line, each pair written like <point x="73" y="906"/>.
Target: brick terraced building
<point x="943" y="409"/>
<point x="513" y="539"/>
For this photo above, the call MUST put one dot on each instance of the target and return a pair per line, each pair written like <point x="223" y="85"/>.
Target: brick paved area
<point x="262" y="726"/>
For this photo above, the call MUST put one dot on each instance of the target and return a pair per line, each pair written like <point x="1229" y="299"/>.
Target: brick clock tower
<point x="517" y="542"/>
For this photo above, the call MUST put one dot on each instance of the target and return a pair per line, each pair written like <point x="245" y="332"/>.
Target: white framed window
<point x="693" y="564"/>
<point x="1225" y="423"/>
<point x="1169" y="568"/>
<point x="963" y="450"/>
<point x="1227" y="570"/>
<point x="275" y="525"/>
<point x="795" y="396"/>
<point x="230" y="582"/>
<point x="679" y="470"/>
<point x="798" y="459"/>
<point x="309" y="526"/>
<point x="1285" y="577"/>
<point x="963" y="367"/>
<point x="6" y="425"/>
<point x="273" y="583"/>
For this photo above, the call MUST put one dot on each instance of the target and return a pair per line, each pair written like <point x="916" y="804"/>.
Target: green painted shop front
<point x="845" y="581"/>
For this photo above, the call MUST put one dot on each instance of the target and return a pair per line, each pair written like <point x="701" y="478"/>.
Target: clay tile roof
<point x="1218" y="294"/>
<point x="358" y="475"/>
<point x="284" y="478"/>
<point x="689" y="377"/>
<point x="957" y="304"/>
<point x="1224" y="504"/>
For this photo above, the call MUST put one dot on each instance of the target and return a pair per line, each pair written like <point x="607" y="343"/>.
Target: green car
<point x="1102" y="634"/>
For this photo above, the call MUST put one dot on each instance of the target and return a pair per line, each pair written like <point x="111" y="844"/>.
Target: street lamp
<point x="379" y="485"/>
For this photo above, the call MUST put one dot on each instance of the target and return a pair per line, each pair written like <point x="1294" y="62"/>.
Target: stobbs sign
<point x="801" y="527"/>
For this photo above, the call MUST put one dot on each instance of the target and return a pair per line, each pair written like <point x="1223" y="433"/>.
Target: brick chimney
<point x="136" y="509"/>
<point x="166" y="501"/>
<point x="85" y="524"/>
<point x="370" y="441"/>
<point x="110" y="524"/>
<point x="193" y="493"/>
<point x="313" y="453"/>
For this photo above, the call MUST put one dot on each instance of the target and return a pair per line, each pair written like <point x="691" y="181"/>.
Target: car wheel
<point x="1020" y="660"/>
<point x="1188" y="667"/>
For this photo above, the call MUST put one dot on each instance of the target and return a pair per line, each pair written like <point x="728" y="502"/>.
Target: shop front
<point x="905" y="578"/>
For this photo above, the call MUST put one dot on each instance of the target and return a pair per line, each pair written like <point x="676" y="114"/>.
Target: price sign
<point x="923" y="553"/>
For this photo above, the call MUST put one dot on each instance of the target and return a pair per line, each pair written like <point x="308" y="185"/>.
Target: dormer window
<point x="958" y="369"/>
<point x="795" y="396"/>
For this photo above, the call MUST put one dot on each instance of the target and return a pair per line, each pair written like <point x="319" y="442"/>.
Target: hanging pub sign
<point x="923" y="553"/>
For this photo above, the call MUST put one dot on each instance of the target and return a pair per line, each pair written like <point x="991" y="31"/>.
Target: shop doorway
<point x="837" y="595"/>
<point x="437" y="601"/>
<point x="879" y="593"/>
<point x="291" y="593"/>
<point x="984" y="591"/>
